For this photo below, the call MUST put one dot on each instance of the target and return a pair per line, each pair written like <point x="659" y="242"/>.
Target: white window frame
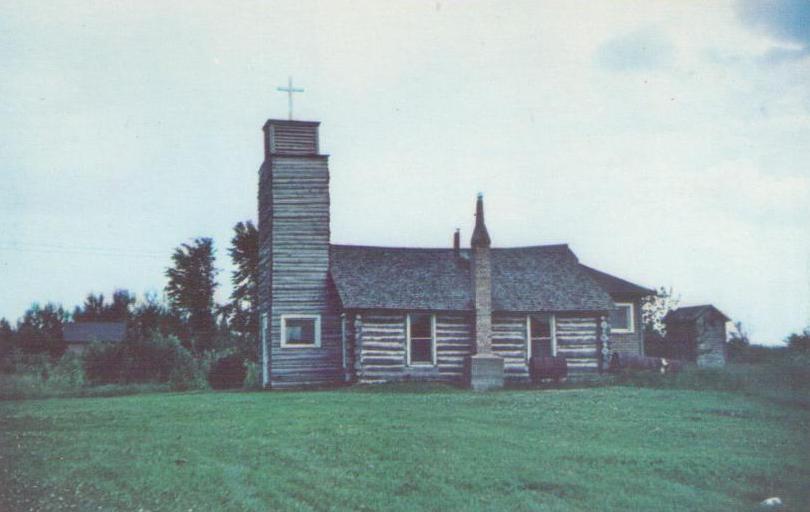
<point x="552" y="325"/>
<point x="631" y="317"/>
<point x="265" y="354"/>
<point x="317" y="340"/>
<point x="408" y="361"/>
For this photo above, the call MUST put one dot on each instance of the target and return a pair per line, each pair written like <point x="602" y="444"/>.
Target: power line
<point x="98" y="251"/>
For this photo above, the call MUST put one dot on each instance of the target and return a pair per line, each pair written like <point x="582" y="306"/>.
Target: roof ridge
<point x="363" y="246"/>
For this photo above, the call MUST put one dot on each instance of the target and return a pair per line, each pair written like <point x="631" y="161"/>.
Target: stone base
<point x="484" y="372"/>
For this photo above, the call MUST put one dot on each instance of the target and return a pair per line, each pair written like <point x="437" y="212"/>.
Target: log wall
<point x="509" y="341"/>
<point x="454" y="342"/>
<point x="578" y="342"/>
<point x="380" y="348"/>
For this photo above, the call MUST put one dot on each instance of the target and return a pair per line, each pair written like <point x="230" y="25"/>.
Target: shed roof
<point x="691" y="313"/>
<point x="539" y="278"/>
<point x="615" y="285"/>
<point x="88" y="332"/>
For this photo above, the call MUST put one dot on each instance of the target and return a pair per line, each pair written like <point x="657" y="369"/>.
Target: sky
<point x="665" y="142"/>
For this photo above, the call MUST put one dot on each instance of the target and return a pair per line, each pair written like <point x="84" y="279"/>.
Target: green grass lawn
<point x="609" y="448"/>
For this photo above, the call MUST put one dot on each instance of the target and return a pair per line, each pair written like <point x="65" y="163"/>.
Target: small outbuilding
<point x="79" y="335"/>
<point x="699" y="332"/>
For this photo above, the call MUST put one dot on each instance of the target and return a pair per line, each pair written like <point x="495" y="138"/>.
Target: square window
<point x="621" y="318"/>
<point x="300" y="331"/>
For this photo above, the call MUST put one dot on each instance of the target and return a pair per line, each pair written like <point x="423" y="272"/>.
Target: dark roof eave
<point x="358" y="308"/>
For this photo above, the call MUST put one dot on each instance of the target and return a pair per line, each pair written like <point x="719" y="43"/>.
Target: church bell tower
<point x="298" y="314"/>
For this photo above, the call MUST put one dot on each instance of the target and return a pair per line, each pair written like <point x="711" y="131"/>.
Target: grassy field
<point x="401" y="448"/>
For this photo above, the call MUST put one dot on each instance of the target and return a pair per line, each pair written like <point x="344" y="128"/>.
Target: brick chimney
<point x="482" y="280"/>
<point x="457" y="243"/>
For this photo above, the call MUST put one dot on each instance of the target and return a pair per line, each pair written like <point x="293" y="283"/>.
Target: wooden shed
<point x="699" y="332"/>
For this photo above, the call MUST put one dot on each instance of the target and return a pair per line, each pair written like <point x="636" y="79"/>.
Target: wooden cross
<point x="289" y="90"/>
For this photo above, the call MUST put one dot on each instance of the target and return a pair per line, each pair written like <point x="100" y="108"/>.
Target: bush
<point x="68" y="372"/>
<point x="188" y="372"/>
<point x="253" y="376"/>
<point x="157" y="359"/>
<point x="228" y="372"/>
<point x="152" y="359"/>
<point x="103" y="363"/>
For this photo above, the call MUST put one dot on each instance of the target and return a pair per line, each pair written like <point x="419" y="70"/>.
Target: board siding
<point x="629" y="343"/>
<point x="294" y="258"/>
<point x="711" y="341"/>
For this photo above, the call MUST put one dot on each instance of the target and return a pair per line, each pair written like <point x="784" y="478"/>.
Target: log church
<point x="477" y="316"/>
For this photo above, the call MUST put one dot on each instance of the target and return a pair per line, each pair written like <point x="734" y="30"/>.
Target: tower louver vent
<point x="291" y="138"/>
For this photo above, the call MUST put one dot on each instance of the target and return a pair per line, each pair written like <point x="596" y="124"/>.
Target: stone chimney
<point x="457" y="243"/>
<point x="481" y="271"/>
<point x="484" y="369"/>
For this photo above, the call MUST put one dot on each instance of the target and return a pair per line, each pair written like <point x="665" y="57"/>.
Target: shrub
<point x="228" y="372"/>
<point x="253" y="376"/>
<point x="157" y="359"/>
<point x="103" y="363"/>
<point x="152" y="359"/>
<point x="188" y="372"/>
<point x="68" y="372"/>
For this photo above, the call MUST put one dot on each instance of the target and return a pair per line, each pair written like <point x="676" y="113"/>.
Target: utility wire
<point x="99" y="251"/>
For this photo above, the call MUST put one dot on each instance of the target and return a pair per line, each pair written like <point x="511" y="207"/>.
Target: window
<point x="300" y="331"/>
<point x="541" y="342"/>
<point x="421" y="342"/>
<point x="621" y="319"/>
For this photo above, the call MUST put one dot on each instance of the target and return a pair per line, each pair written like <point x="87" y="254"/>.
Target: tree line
<point x="189" y="311"/>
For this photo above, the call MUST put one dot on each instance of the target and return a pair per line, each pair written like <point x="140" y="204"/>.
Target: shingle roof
<point x="541" y="278"/>
<point x="87" y="332"/>
<point x="616" y="285"/>
<point x="691" y="313"/>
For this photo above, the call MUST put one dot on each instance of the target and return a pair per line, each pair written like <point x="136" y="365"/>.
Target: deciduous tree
<point x="40" y="330"/>
<point x="655" y="307"/>
<point x="243" y="311"/>
<point x="191" y="286"/>
<point x="96" y="309"/>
